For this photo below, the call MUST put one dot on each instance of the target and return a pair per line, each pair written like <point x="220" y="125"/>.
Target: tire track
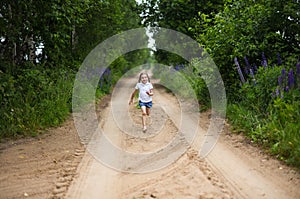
<point x="66" y="175"/>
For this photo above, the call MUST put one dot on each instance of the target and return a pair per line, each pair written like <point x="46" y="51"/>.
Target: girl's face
<point x="144" y="78"/>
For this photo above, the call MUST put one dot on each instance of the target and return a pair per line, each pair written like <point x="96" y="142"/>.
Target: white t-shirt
<point x="143" y="88"/>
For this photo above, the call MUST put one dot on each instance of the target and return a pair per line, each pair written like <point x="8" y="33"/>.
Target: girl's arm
<point x="132" y="96"/>
<point x="150" y="92"/>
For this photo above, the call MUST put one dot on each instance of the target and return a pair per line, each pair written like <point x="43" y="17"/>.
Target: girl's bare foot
<point x="144" y="129"/>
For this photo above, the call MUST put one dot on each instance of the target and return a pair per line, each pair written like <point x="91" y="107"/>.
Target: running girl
<point x="145" y="89"/>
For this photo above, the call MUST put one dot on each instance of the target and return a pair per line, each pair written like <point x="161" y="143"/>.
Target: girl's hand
<point x="149" y="93"/>
<point x="130" y="102"/>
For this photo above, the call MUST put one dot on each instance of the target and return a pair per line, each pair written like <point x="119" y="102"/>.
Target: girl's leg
<point x="148" y="114"/>
<point x="144" y="114"/>
<point x="148" y="111"/>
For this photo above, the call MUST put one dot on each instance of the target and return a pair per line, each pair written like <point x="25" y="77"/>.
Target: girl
<point x="145" y="96"/>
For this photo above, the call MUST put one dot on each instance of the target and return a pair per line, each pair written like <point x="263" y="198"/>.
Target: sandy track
<point x="229" y="171"/>
<point x="187" y="177"/>
<point x="56" y="165"/>
<point x="41" y="167"/>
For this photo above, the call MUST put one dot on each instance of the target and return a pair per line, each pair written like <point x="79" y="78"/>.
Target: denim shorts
<point x="147" y="104"/>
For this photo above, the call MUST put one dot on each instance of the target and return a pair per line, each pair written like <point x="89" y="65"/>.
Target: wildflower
<point x="101" y="82"/>
<point x="246" y="71"/>
<point x="291" y="80"/>
<point x="252" y="75"/>
<point x="239" y="70"/>
<point x="247" y="62"/>
<point x="108" y="71"/>
<point x="177" y="68"/>
<point x="283" y="75"/>
<point x="277" y="92"/>
<point x="280" y="81"/>
<point x="105" y="79"/>
<point x="286" y="89"/>
<point x="283" y="72"/>
<point x="273" y="95"/>
<point x="298" y="68"/>
<point x="279" y="62"/>
<point x="254" y="68"/>
<point x="298" y="74"/>
<point x="264" y="62"/>
<point x="247" y="68"/>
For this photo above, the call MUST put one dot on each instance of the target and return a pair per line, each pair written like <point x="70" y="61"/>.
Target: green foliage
<point x="177" y="15"/>
<point x="37" y="99"/>
<point x="242" y="119"/>
<point x="248" y="28"/>
<point x="185" y="82"/>
<point x="269" y="118"/>
<point x="235" y="29"/>
<point x="29" y="24"/>
<point x="36" y="90"/>
<point x="196" y="73"/>
<point x="259" y="96"/>
<point x="65" y="30"/>
<point x="105" y="19"/>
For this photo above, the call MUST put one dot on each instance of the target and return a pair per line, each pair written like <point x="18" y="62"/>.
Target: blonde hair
<point x="140" y="78"/>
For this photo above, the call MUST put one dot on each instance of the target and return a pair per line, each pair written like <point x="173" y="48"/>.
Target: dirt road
<point x="231" y="170"/>
<point x="56" y="165"/>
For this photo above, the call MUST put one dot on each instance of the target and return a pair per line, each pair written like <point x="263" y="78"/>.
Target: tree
<point x="248" y="28"/>
<point x="177" y="15"/>
<point x="66" y="30"/>
<point x="36" y="90"/>
<point x="103" y="20"/>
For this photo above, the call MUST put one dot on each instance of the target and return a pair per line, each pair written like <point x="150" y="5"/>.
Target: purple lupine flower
<point x="280" y="81"/>
<point x="283" y="72"/>
<point x="283" y="75"/>
<point x="247" y="69"/>
<point x="277" y="92"/>
<point x="254" y="68"/>
<point x="286" y="89"/>
<point x="108" y="76"/>
<point x="252" y="75"/>
<point x="101" y="82"/>
<point x="106" y="72"/>
<point x="177" y="68"/>
<point x="279" y="61"/>
<point x="298" y="68"/>
<point x="239" y="70"/>
<point x="273" y="94"/>
<point x="298" y="74"/>
<point x="291" y="79"/>
<point x="247" y="62"/>
<point x="264" y="62"/>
